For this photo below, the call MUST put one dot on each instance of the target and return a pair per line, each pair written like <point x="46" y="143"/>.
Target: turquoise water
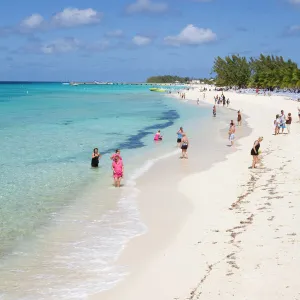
<point x="50" y="198"/>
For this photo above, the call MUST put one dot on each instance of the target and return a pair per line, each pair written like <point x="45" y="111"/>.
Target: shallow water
<point x="62" y="223"/>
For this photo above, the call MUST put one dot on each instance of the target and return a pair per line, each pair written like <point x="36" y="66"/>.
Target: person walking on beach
<point x="277" y="124"/>
<point x="289" y="122"/>
<point x="228" y="102"/>
<point x="118" y="170"/>
<point x="184" y="146"/>
<point x="239" y="118"/>
<point x="299" y="114"/>
<point x="179" y="136"/>
<point x="282" y="121"/>
<point x="255" y="152"/>
<point x="95" y="158"/>
<point x="231" y="133"/>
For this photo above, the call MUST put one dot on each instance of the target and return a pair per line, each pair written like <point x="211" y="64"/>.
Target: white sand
<point x="240" y="239"/>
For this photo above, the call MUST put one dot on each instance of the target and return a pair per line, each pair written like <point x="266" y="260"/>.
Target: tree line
<point x="173" y="79"/>
<point x="167" y="79"/>
<point x="263" y="72"/>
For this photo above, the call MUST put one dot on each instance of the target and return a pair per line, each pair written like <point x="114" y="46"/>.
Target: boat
<point x="159" y="90"/>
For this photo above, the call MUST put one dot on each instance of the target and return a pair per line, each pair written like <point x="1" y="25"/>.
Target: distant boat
<point x="66" y="83"/>
<point x="159" y="90"/>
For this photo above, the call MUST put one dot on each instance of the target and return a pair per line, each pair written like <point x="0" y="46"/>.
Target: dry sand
<point x="239" y="237"/>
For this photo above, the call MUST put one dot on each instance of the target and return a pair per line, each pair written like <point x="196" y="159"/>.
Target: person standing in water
<point x="118" y="170"/>
<point x="214" y="111"/>
<point x="255" y="152"/>
<point x="184" y="146"/>
<point x="95" y="158"/>
<point x="117" y="153"/>
<point x="231" y="133"/>
<point x="179" y="136"/>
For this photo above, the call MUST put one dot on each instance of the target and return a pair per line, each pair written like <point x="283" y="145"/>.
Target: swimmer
<point x="95" y="158"/>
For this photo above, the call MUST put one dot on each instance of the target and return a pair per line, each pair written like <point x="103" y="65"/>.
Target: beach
<point x="63" y="223"/>
<point x="220" y="229"/>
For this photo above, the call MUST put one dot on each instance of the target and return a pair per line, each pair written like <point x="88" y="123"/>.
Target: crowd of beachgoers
<point x="282" y="125"/>
<point x="291" y="94"/>
<point x="282" y="122"/>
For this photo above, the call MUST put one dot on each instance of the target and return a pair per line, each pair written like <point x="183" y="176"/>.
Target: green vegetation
<point x="173" y="79"/>
<point x="263" y="72"/>
<point x="167" y="79"/>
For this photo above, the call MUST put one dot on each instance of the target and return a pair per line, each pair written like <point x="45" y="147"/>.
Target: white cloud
<point x="71" y="17"/>
<point x="140" y="40"/>
<point x="33" y="22"/>
<point x="191" y="35"/>
<point x="63" y="45"/>
<point x="146" y="6"/>
<point x="115" y="33"/>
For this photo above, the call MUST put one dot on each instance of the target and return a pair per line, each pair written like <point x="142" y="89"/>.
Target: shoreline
<point x="165" y="217"/>
<point x="216" y="251"/>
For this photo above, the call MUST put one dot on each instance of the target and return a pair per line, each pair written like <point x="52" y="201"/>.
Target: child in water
<point x="158" y="136"/>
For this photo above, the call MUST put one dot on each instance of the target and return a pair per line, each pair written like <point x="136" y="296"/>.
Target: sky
<point x="130" y="40"/>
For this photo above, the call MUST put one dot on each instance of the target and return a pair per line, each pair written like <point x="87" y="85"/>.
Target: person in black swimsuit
<point x="95" y="158"/>
<point x="255" y="151"/>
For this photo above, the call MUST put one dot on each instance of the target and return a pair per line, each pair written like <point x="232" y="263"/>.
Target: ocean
<point x="62" y="223"/>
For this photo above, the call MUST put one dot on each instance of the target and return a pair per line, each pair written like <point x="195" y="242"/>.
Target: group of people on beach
<point x="182" y="95"/>
<point x="117" y="161"/>
<point x="117" y="165"/>
<point x="222" y="100"/>
<point x="282" y="122"/>
<point x="182" y="141"/>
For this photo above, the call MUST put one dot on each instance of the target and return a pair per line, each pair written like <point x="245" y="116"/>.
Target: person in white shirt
<point x="282" y="121"/>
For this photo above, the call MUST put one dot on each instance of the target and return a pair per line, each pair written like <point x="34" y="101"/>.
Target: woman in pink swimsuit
<point x="118" y="169"/>
<point x="158" y="136"/>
